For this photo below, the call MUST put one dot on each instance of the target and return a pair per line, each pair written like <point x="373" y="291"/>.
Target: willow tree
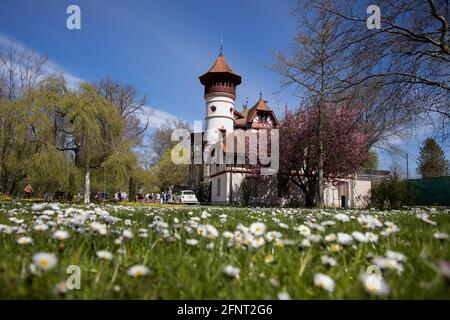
<point x="93" y="128"/>
<point x="15" y="149"/>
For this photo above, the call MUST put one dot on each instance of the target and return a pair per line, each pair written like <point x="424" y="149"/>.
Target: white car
<point x="186" y="197"/>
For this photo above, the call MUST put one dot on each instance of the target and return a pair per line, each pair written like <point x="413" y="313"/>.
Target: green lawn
<point x="208" y="253"/>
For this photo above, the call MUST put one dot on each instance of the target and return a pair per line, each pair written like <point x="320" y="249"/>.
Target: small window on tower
<point x="213" y="108"/>
<point x="231" y="110"/>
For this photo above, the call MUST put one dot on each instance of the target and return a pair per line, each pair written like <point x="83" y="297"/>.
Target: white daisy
<point x="328" y="261"/>
<point x="98" y="227"/>
<point x="257" y="242"/>
<point x="304" y="230"/>
<point x="103" y="254"/>
<point x="127" y="234"/>
<point x="231" y="271"/>
<point x="342" y="217"/>
<point x="305" y="243"/>
<point x="44" y="260"/>
<point x="371" y="237"/>
<point x="374" y="284"/>
<point x="24" y="240"/>
<point x="283" y="296"/>
<point x="60" y="235"/>
<point x="325" y="282"/>
<point x="40" y="227"/>
<point x="344" y="238"/>
<point x="360" y="237"/>
<point x="388" y="263"/>
<point x="192" y="242"/>
<point x="313" y="238"/>
<point x="330" y="237"/>
<point x="441" y="236"/>
<point x="396" y="255"/>
<point x="257" y="228"/>
<point x="138" y="271"/>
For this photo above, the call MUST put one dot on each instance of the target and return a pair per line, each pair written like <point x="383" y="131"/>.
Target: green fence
<point x="432" y="191"/>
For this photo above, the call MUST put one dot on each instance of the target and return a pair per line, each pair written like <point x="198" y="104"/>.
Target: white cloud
<point x="155" y="117"/>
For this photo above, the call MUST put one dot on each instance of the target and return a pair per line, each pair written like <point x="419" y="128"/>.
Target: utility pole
<point x="407" y="165"/>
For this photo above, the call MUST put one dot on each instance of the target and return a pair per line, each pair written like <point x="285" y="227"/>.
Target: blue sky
<point x="161" y="47"/>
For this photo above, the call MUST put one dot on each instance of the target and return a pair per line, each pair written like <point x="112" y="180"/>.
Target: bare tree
<point x="410" y="54"/>
<point x="315" y="67"/>
<point x="20" y="69"/>
<point x="130" y="104"/>
<point x="160" y="139"/>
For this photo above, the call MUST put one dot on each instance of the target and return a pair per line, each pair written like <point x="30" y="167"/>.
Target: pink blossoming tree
<point x="345" y="147"/>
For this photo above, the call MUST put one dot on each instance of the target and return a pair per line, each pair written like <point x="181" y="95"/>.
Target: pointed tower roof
<point x="220" y="66"/>
<point x="249" y="114"/>
<point x="260" y="105"/>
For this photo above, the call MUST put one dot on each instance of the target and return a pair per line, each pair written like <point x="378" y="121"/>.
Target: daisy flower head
<point x="283" y="296"/>
<point x="334" y="247"/>
<point x="44" y="260"/>
<point x="342" y="217"/>
<point x="359" y="236"/>
<point x="232" y="272"/>
<point x="371" y="237"/>
<point x="328" y="261"/>
<point x="138" y="271"/>
<point x="103" y="254"/>
<point x="272" y="235"/>
<point x="60" y="235"/>
<point x="128" y="234"/>
<point x="324" y="282"/>
<point x="40" y="227"/>
<point x="305" y="243"/>
<point x="344" y="238"/>
<point x="388" y="263"/>
<point x="330" y="237"/>
<point x="99" y="228"/>
<point x="269" y="259"/>
<point x="314" y="238"/>
<point x="396" y="255"/>
<point x="257" y="242"/>
<point x="374" y="284"/>
<point x="304" y="230"/>
<point x="257" y="228"/>
<point x="441" y="236"/>
<point x="24" y="240"/>
<point x="192" y="242"/>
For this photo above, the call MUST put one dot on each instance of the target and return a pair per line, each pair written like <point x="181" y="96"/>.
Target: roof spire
<point x="221" y="43"/>
<point x="260" y="95"/>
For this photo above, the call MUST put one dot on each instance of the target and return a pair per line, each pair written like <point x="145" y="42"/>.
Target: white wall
<point x="221" y="118"/>
<point x="224" y="181"/>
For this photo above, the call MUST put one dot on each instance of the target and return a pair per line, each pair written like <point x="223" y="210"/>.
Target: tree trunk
<point x="310" y="197"/>
<point x="87" y="186"/>
<point x="320" y="202"/>
<point x="131" y="190"/>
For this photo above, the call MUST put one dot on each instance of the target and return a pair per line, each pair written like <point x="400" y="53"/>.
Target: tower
<point x="220" y="83"/>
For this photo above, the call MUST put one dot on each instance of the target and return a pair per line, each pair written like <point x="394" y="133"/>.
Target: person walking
<point x="28" y="190"/>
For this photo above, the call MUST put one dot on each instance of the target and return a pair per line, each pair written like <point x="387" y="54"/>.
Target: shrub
<point x="203" y="191"/>
<point x="4" y="197"/>
<point x="393" y="193"/>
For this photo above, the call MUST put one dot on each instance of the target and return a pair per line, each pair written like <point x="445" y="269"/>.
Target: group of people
<point x="120" y="196"/>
